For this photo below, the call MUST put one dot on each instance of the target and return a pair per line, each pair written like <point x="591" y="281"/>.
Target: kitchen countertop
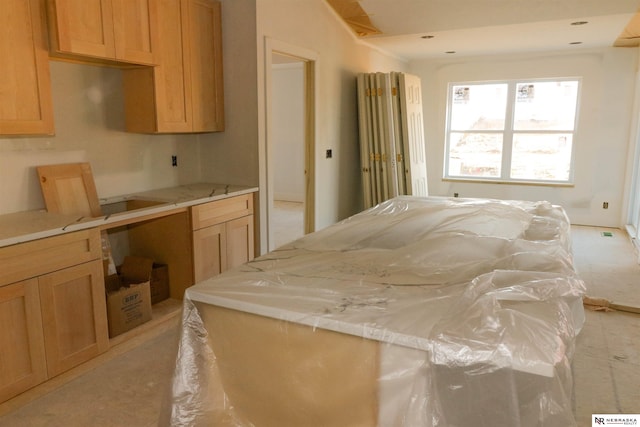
<point x="31" y="225"/>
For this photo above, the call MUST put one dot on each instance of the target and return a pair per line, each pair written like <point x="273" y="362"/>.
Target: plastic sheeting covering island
<point x="417" y="312"/>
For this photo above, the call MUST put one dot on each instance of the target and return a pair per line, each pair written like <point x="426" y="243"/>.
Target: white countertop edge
<point x="86" y="223"/>
<point x="369" y="331"/>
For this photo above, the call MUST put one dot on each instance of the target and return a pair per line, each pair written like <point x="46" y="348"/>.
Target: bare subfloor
<point x="128" y="390"/>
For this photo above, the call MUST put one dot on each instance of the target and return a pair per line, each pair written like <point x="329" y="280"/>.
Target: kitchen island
<point x="417" y="312"/>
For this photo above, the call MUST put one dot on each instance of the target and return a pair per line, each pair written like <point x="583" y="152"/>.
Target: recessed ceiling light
<point x="575" y="43"/>
<point x="580" y="23"/>
<point x="427" y="37"/>
<point x="450" y="51"/>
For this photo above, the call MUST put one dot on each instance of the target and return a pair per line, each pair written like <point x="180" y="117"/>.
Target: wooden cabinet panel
<point x="166" y="240"/>
<point x="74" y="316"/>
<point x="221" y="211"/>
<point x="159" y="99"/>
<point x="135" y="30"/>
<point x="222" y="235"/>
<point x="111" y="30"/>
<point x="205" y="36"/>
<point x="82" y="27"/>
<point x="31" y="259"/>
<point x="25" y="88"/>
<point x="69" y="189"/>
<point x="184" y="93"/>
<point x="209" y="252"/>
<point x="23" y="364"/>
<point x="239" y="241"/>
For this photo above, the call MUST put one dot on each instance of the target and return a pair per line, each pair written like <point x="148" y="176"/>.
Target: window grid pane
<point x="471" y="111"/>
<point x="475" y="154"/>
<point x="545" y="157"/>
<point x="545" y="105"/>
<point x="539" y="142"/>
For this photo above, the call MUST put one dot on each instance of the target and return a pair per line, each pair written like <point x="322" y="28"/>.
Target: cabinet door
<point x="83" y="27"/>
<point x="158" y="99"/>
<point x="239" y="241"/>
<point x="74" y="315"/>
<point x="184" y="93"/>
<point x="205" y="36"/>
<point x="135" y="30"/>
<point x="209" y="253"/>
<point x="23" y="363"/>
<point x="25" y="87"/>
<point x="172" y="77"/>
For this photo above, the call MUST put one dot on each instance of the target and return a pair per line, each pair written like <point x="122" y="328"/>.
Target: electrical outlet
<point x="455" y="194"/>
<point x="329" y="153"/>
<point x="605" y="205"/>
<point x="174" y="161"/>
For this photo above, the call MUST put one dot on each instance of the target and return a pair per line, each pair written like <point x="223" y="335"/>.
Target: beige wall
<point x="601" y="145"/>
<point x="235" y="154"/>
<point x="232" y="155"/>
<point x="313" y="26"/>
<point x="89" y="120"/>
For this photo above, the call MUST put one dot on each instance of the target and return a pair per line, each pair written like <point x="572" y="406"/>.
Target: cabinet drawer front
<point x="221" y="211"/>
<point x="31" y="259"/>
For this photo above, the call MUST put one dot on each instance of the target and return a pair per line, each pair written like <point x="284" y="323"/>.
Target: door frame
<point x="631" y="197"/>
<point x="310" y="64"/>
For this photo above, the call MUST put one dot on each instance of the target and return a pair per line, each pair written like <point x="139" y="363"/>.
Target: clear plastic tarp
<point x="417" y="312"/>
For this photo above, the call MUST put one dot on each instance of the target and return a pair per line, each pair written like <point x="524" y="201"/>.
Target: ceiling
<point x="485" y="27"/>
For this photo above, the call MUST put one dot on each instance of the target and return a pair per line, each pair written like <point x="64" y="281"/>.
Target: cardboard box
<point x="129" y="295"/>
<point x="159" y="283"/>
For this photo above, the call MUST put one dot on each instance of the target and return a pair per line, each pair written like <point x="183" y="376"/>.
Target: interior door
<point x="413" y="134"/>
<point x="364" y="122"/>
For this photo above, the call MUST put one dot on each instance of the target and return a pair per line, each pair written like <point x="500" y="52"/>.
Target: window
<point x="517" y="131"/>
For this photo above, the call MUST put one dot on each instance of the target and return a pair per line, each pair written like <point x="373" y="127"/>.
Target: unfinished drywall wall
<point x="89" y="121"/>
<point x="606" y="100"/>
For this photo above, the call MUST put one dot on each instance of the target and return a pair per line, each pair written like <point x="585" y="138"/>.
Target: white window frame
<point x="508" y="132"/>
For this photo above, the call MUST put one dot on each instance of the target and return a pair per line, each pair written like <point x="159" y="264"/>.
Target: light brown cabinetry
<point x="25" y="87"/>
<point x="23" y="364"/>
<point x="112" y="30"/>
<point x="52" y="295"/>
<point x="73" y="315"/>
<point x="222" y="235"/>
<point x="184" y="93"/>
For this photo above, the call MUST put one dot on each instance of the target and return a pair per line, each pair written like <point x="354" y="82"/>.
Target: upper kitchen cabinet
<point x="25" y="87"/>
<point x="184" y="93"/>
<point x="104" y="30"/>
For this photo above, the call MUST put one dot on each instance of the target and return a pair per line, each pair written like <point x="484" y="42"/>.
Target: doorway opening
<point x="290" y="142"/>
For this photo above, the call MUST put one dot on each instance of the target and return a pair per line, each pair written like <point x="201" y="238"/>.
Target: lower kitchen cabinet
<point x="53" y="313"/>
<point x="222" y="235"/>
<point x="74" y="316"/>
<point x="52" y="308"/>
<point x="240" y="247"/>
<point x="209" y="252"/>
<point x="23" y="364"/>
